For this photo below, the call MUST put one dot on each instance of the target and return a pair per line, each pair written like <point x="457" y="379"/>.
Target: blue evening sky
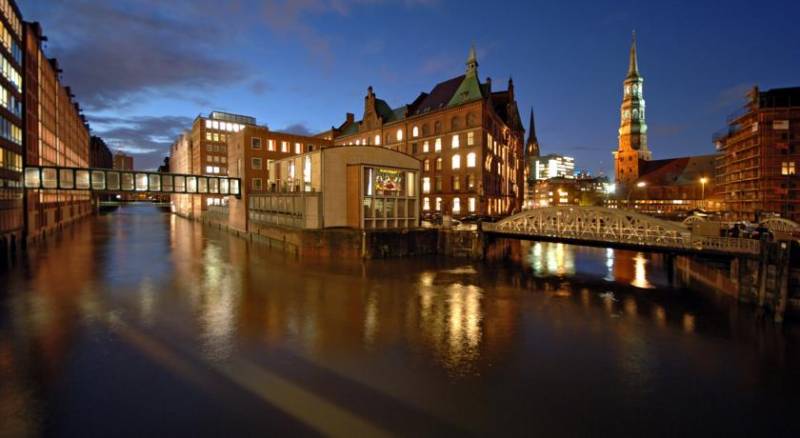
<point x="143" y="69"/>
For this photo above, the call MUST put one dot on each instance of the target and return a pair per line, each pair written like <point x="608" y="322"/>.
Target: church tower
<point x="532" y="146"/>
<point x="633" y="128"/>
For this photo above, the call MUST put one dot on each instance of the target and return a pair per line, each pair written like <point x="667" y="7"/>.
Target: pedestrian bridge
<point x="118" y="181"/>
<point x="617" y="228"/>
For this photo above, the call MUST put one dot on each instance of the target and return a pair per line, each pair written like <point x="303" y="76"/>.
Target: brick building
<point x="469" y="138"/>
<point x="100" y="156"/>
<point x="757" y="171"/>
<point x="11" y="100"/>
<point x="123" y="161"/>
<point x="56" y="134"/>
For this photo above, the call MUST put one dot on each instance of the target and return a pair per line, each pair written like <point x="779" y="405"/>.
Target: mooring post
<point x="784" y="271"/>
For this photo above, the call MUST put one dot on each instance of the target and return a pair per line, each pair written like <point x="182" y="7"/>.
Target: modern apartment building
<point x="469" y="138"/>
<point x="757" y="169"/>
<point x="56" y="134"/>
<point x="11" y="104"/>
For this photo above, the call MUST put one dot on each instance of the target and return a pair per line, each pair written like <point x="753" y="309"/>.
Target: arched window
<point x="426" y="130"/>
<point x="636" y="114"/>
<point x="455" y="123"/>
<point x="426" y="203"/>
<point x="471" y="119"/>
<point x="437" y="147"/>
<point x="471" y="159"/>
<point x="439" y="163"/>
<point x="455" y="143"/>
<point x="415" y="132"/>
<point x="438" y="204"/>
<point x="399" y="135"/>
<point x="456" y="162"/>
<point x="426" y="165"/>
<point x="456" y="205"/>
<point x="437" y="127"/>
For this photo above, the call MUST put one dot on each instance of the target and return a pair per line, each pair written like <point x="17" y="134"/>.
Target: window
<point x="216" y="136"/>
<point x="437" y="127"/>
<point x="209" y="136"/>
<point x="471" y="182"/>
<point x="471" y="204"/>
<point x="399" y="135"/>
<point x="472" y="160"/>
<point x="209" y="169"/>
<point x="470" y="138"/>
<point x="426" y="165"/>
<point x="455" y="143"/>
<point x="456" y="162"/>
<point x="456" y="205"/>
<point x="426" y="185"/>
<point x="426" y="147"/>
<point x="426" y="203"/>
<point x="298" y="148"/>
<point x="438" y="204"/>
<point x="208" y="124"/>
<point x="255" y="143"/>
<point x="437" y="147"/>
<point x="284" y="146"/>
<point x="456" y="183"/>
<point x="271" y="145"/>
<point x="438" y="182"/>
<point x="415" y="132"/>
<point x="439" y="163"/>
<point x="255" y="163"/>
<point x="257" y="184"/>
<point x="377" y="139"/>
<point x="787" y="168"/>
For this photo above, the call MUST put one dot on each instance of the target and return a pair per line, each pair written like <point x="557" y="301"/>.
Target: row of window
<point x="10" y="131"/>
<point x="472" y="205"/>
<point x="216" y="136"/>
<point x="455" y="162"/>
<point x="7" y="39"/>
<point x="215" y="170"/>
<point x="256" y="144"/>
<point x="455" y="142"/>
<point x="216" y="159"/>
<point x="11" y="16"/>
<point x="10" y="73"/>
<point x="455" y="181"/>
<point x="223" y="126"/>
<point x="216" y="148"/>
<point x="10" y="102"/>
<point x="10" y="160"/>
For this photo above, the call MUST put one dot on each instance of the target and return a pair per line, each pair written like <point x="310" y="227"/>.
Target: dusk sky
<point x="143" y="69"/>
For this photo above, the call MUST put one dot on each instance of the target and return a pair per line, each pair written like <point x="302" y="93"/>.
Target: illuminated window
<point x="209" y="169"/>
<point x="456" y="205"/>
<point x="455" y="143"/>
<point x="255" y="143"/>
<point x="358" y="142"/>
<point x="470" y="138"/>
<point x="426" y="147"/>
<point x="399" y="135"/>
<point x="426" y="185"/>
<point x="284" y="146"/>
<point x="470" y="182"/>
<point x="456" y="162"/>
<point x="271" y="145"/>
<point x="377" y="139"/>
<point x="415" y="132"/>
<point x="439" y="163"/>
<point x="471" y="204"/>
<point x="438" y="204"/>
<point x="209" y="136"/>
<point x="216" y="136"/>
<point x="426" y="165"/>
<point x="437" y="147"/>
<point x="208" y="124"/>
<point x="298" y="148"/>
<point x="787" y="168"/>
<point x="426" y="203"/>
<point x="456" y="183"/>
<point x="472" y="159"/>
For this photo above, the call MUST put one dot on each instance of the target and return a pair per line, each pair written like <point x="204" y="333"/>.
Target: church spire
<point x="472" y="61"/>
<point x="532" y="146"/>
<point x="633" y="65"/>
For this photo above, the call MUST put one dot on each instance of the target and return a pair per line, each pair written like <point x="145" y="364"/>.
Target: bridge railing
<point x="108" y="180"/>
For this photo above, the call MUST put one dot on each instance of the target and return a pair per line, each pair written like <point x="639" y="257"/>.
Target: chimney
<point x="489" y="83"/>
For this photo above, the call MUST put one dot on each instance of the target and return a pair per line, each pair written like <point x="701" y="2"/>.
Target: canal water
<point x="140" y="323"/>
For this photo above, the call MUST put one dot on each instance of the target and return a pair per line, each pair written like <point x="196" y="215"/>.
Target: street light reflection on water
<point x="238" y="339"/>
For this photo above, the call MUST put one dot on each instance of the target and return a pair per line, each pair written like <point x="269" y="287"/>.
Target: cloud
<point x="297" y="129"/>
<point x="147" y="138"/>
<point x="730" y="98"/>
<point x="117" y="54"/>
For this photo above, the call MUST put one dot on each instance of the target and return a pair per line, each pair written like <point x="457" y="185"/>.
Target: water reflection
<point x="460" y="343"/>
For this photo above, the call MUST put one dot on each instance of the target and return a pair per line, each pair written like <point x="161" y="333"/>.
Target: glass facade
<point x="389" y="198"/>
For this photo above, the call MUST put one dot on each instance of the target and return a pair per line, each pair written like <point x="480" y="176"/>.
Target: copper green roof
<point x="469" y="90"/>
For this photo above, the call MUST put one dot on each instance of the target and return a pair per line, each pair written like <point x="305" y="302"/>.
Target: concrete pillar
<point x="784" y="273"/>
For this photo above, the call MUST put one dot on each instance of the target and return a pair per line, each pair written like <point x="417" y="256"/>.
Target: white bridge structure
<point x="601" y="226"/>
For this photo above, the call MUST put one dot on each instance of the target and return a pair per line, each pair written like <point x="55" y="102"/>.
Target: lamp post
<point x="640" y="185"/>
<point x="703" y="182"/>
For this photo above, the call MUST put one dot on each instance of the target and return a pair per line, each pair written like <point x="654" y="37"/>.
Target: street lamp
<point x="640" y="185"/>
<point x="703" y="182"/>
